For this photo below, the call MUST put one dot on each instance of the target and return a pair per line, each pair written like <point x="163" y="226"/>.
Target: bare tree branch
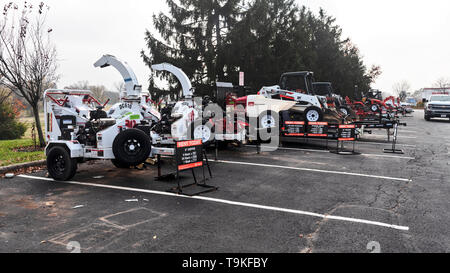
<point x="402" y="86"/>
<point x="442" y="83"/>
<point x="27" y="55"/>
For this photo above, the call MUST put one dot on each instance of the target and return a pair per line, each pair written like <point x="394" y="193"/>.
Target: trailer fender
<point x="73" y="147"/>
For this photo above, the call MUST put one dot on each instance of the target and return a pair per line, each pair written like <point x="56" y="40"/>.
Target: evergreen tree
<point x="265" y="42"/>
<point x="214" y="40"/>
<point x="277" y="36"/>
<point x="337" y="60"/>
<point x="193" y="38"/>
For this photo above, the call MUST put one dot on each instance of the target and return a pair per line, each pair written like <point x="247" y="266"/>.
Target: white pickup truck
<point x="438" y="106"/>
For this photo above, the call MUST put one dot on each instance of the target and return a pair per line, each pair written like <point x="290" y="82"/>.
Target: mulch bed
<point x="29" y="149"/>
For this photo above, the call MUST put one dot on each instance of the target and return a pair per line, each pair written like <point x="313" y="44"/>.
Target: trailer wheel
<point x="60" y="165"/>
<point x="313" y="114"/>
<point x="267" y="120"/>
<point x="344" y="110"/>
<point x="203" y="131"/>
<point x="131" y="147"/>
<point x="349" y="112"/>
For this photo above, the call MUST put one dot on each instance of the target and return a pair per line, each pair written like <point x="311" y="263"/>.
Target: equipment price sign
<point x="347" y="132"/>
<point x="317" y="129"/>
<point x="189" y="154"/>
<point x="295" y="128"/>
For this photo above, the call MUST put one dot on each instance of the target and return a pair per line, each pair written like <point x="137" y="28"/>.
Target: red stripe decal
<point x="346" y="139"/>
<point x="318" y="123"/>
<point x="190" y="166"/>
<point x="347" y="126"/>
<point x="287" y="97"/>
<point x="295" y="123"/>
<point x="189" y="143"/>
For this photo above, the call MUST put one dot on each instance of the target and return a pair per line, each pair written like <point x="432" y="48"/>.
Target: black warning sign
<point x="317" y="129"/>
<point x="189" y="154"/>
<point x="347" y="132"/>
<point x="294" y="128"/>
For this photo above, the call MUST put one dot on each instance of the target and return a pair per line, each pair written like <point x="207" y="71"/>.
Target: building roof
<point x="436" y="88"/>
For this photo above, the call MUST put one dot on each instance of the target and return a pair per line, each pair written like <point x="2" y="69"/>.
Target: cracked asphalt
<point x="46" y="216"/>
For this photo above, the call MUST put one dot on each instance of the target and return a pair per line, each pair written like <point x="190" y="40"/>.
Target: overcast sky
<point x="409" y="39"/>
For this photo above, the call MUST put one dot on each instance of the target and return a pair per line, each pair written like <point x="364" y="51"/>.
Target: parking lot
<point x="296" y="199"/>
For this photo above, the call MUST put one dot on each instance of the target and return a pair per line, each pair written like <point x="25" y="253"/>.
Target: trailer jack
<point x="393" y="149"/>
<point x="340" y="149"/>
<point x="179" y="189"/>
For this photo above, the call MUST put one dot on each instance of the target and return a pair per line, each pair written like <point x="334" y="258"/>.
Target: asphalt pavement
<point x="299" y="198"/>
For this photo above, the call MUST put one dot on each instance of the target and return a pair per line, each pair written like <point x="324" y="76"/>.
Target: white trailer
<point x="428" y="92"/>
<point x="78" y="129"/>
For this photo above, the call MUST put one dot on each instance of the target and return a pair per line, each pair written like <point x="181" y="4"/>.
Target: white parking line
<point x="296" y="149"/>
<point x="399" y="131"/>
<point x="385" y="136"/>
<point x="312" y="170"/>
<point x="385" y="143"/>
<point x="229" y="202"/>
<point x="388" y="156"/>
<point x="324" y="151"/>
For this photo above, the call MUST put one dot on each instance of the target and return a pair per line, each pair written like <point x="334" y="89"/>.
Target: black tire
<point x="349" y="110"/>
<point x="264" y="120"/>
<point x="119" y="164"/>
<point x="268" y="120"/>
<point x="131" y="147"/>
<point x="374" y="108"/>
<point x="427" y="118"/>
<point x="313" y="114"/>
<point x="345" y="110"/>
<point x="206" y="126"/>
<point x="59" y="164"/>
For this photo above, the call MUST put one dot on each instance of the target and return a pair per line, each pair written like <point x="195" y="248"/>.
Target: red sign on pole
<point x="347" y="132"/>
<point x="241" y="78"/>
<point x="189" y="154"/>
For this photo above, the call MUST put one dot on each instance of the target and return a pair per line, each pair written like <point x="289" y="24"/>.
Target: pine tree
<point x="214" y="40"/>
<point x="264" y="43"/>
<point x="192" y="37"/>
<point x="337" y="60"/>
<point x="277" y="36"/>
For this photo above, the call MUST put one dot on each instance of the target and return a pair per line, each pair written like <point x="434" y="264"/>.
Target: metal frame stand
<point x="176" y="175"/>
<point x="165" y="177"/>
<point x="259" y="141"/>
<point x="216" y="150"/>
<point x="340" y="149"/>
<point x="393" y="150"/>
<point x="258" y="146"/>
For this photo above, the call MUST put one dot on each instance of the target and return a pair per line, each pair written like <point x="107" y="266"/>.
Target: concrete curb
<point x="15" y="167"/>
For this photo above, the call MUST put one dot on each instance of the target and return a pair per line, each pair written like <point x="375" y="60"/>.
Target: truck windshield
<point x="440" y="98"/>
<point x="322" y="89"/>
<point x="294" y="83"/>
